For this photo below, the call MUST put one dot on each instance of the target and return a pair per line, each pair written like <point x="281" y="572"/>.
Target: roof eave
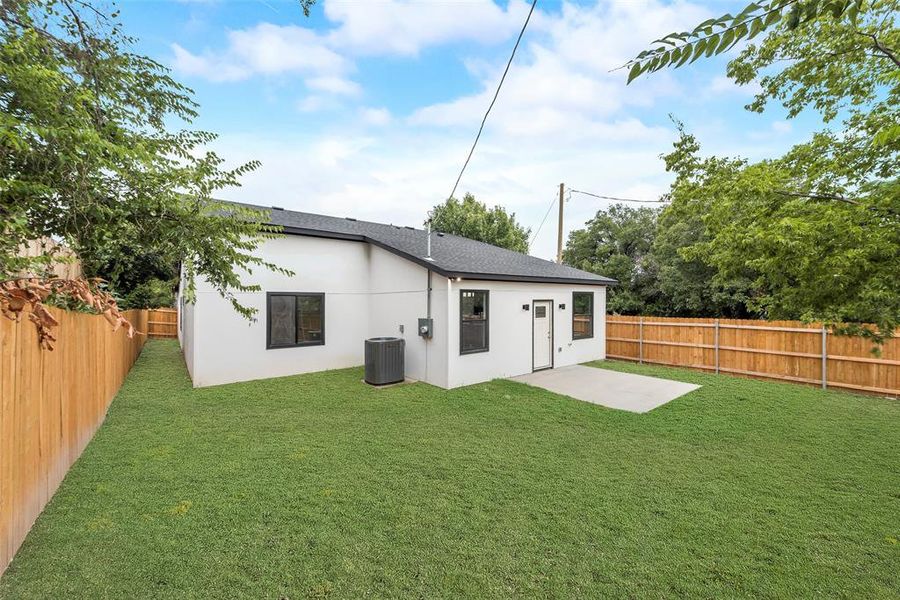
<point x="364" y="238"/>
<point x="421" y="261"/>
<point x="532" y="279"/>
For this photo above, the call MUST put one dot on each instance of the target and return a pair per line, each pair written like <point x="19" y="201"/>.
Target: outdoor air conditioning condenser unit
<point x="384" y="360"/>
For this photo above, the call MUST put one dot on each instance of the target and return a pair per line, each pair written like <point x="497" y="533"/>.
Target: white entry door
<point x="543" y="334"/>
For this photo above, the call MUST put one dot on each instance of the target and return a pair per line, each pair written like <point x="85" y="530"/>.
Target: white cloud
<point x="404" y="28"/>
<point x="782" y="127"/>
<point x="604" y="36"/>
<point x="206" y="66"/>
<point x="372" y="28"/>
<point x="776" y="130"/>
<point x="263" y="49"/>
<point x="561" y="116"/>
<point x="396" y="176"/>
<point x="334" y="85"/>
<point x="723" y="85"/>
<point x="272" y="49"/>
<point x="334" y="151"/>
<point x="375" y="116"/>
<point x="313" y="103"/>
<point x="563" y="79"/>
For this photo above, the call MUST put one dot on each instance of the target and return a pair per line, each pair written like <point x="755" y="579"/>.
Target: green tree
<point x="131" y="270"/>
<point x="687" y="284"/>
<point x="720" y="34"/>
<point x="817" y="229"/>
<point x="86" y="155"/>
<point x="835" y="262"/>
<point x="840" y="58"/>
<point x="474" y="220"/>
<point x="617" y="243"/>
<point x="151" y="293"/>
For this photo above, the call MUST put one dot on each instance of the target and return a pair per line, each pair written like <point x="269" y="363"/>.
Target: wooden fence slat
<point x="162" y="323"/>
<point x="876" y="390"/>
<point x="772" y="352"/>
<point x="757" y="328"/>
<point x="670" y="364"/>
<point x="682" y="344"/>
<point x="51" y="404"/>
<point x="767" y="349"/>
<point x="863" y="359"/>
<point x="658" y="324"/>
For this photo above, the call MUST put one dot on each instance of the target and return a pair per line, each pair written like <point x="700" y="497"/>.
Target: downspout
<point x="428" y="291"/>
<point x="428" y="258"/>
<point x="428" y="295"/>
<point x="428" y="315"/>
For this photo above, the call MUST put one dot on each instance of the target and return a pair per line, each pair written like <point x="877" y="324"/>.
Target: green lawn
<point x="318" y="485"/>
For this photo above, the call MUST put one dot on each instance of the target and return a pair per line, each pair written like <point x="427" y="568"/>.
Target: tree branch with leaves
<point x="719" y="35"/>
<point x="87" y="156"/>
<point x="816" y="229"/>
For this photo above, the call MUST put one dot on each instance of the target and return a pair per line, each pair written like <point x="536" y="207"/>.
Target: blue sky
<point x="367" y="109"/>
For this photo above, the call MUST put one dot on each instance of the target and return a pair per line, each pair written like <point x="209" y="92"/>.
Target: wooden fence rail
<point x="51" y="403"/>
<point x="787" y="350"/>
<point x="162" y="323"/>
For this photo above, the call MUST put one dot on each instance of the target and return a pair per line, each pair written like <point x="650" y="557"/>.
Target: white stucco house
<point x="493" y="312"/>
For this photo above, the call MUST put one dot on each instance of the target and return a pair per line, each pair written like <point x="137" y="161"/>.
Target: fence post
<point x="717" y="346"/>
<point x="824" y="358"/>
<point x="641" y="340"/>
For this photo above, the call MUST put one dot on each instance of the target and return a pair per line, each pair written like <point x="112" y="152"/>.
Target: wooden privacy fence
<point x="162" y="323"/>
<point x="65" y="265"/>
<point x="788" y="350"/>
<point x="51" y="403"/>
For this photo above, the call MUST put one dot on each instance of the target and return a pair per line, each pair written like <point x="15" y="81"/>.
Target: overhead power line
<point x="496" y="93"/>
<point x="544" y="220"/>
<point x="616" y="199"/>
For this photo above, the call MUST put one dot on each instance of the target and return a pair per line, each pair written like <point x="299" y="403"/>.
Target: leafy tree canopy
<point x="86" y="156"/>
<point x="474" y="220"/>
<point x="828" y="261"/>
<point x="132" y="269"/>
<point x="840" y="58"/>
<point x="643" y="249"/>
<point x="688" y="285"/>
<point x="816" y="230"/>
<point x="151" y="293"/>
<point x="720" y="34"/>
<point x="617" y="243"/>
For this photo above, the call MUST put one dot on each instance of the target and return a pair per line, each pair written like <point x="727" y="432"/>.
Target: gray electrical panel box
<point x="425" y="327"/>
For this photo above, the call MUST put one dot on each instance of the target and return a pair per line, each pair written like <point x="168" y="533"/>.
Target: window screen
<point x="582" y="315"/>
<point x="540" y="312"/>
<point x="295" y="320"/>
<point x="473" y="321"/>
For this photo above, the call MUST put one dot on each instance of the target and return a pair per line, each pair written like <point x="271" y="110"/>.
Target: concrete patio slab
<point x="625" y="391"/>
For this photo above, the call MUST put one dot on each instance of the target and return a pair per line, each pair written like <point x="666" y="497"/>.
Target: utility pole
<point x="559" y="240"/>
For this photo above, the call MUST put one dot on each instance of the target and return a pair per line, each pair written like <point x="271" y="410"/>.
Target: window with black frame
<point x="295" y="320"/>
<point x="473" y="321"/>
<point x="582" y="315"/>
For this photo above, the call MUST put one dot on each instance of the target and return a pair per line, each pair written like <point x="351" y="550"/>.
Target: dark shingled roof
<point x="452" y="255"/>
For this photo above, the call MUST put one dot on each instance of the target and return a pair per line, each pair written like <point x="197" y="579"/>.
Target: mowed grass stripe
<point x="317" y="485"/>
